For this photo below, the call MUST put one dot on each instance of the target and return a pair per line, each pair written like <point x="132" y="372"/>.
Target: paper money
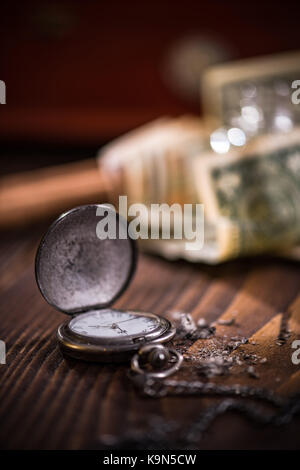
<point x="251" y="201"/>
<point x="155" y="160"/>
<point x="252" y="94"/>
<point x="251" y="196"/>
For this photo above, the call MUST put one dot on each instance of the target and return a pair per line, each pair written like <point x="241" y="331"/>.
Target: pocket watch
<point x="82" y="275"/>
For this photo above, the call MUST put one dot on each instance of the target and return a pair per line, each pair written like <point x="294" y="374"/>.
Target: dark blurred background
<point x="79" y="73"/>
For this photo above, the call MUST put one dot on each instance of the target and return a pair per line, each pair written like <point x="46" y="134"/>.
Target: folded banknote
<point x="254" y="94"/>
<point x="251" y="201"/>
<point x="251" y="195"/>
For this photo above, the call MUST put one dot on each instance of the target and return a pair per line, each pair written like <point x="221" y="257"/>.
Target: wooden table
<point x="48" y="402"/>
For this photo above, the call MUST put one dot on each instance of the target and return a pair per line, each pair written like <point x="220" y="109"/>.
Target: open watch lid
<point x="77" y="268"/>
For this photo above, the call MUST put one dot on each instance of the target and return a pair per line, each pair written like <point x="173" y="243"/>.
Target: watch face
<point x="109" y="335"/>
<point x="113" y="324"/>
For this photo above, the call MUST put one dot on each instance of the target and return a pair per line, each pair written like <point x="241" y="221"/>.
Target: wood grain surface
<point x="50" y="402"/>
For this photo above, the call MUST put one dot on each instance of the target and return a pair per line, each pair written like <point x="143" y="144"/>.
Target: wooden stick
<point x="32" y="196"/>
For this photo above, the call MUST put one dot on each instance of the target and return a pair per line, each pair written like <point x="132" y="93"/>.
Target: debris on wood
<point x="252" y="372"/>
<point x="186" y="324"/>
<point x="236" y="342"/>
<point x="214" y="366"/>
<point x="187" y="328"/>
<point x="203" y="333"/>
<point x="285" y="332"/>
<point x="201" y="323"/>
<point x="224" y="322"/>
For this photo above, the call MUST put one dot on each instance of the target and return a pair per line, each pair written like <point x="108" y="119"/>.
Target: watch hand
<point x="100" y="326"/>
<point x="115" y="326"/>
<point x="128" y="319"/>
<point x="110" y="325"/>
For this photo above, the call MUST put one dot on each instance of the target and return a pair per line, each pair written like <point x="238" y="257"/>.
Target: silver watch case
<point x="77" y="272"/>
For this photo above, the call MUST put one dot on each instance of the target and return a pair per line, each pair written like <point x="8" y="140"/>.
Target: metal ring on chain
<point x="157" y="356"/>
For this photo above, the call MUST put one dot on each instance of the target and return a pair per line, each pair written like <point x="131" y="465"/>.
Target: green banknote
<point x="265" y="83"/>
<point x="253" y="197"/>
<point x="251" y="202"/>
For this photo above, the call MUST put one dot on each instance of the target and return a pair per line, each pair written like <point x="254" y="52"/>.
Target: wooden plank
<point x="47" y="401"/>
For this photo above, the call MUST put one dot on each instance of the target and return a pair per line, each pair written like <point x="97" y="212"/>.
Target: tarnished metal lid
<point x="77" y="271"/>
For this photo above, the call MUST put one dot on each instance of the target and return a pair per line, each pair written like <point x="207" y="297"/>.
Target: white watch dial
<point x="112" y="324"/>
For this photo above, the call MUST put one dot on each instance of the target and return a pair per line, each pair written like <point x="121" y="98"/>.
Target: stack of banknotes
<point x="241" y="161"/>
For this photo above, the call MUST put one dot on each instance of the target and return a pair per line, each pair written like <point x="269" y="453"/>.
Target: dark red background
<point x="86" y="71"/>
